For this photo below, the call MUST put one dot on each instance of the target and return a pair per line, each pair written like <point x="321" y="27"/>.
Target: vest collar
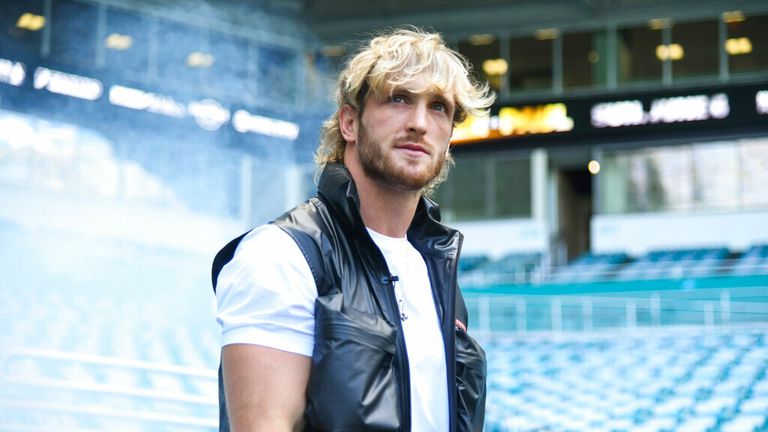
<point x="337" y="188"/>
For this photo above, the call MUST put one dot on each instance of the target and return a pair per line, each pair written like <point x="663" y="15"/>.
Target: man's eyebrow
<point x="439" y="96"/>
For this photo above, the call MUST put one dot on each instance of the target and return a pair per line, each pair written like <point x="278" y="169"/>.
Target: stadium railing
<point x="55" y="390"/>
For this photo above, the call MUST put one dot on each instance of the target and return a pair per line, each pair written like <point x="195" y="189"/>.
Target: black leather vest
<point x="359" y="376"/>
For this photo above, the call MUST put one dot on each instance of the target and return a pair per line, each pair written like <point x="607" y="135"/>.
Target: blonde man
<point x="344" y="313"/>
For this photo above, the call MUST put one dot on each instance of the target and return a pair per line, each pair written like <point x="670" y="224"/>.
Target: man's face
<point x="403" y="137"/>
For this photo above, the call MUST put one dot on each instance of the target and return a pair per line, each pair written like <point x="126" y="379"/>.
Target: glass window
<point x="530" y="63"/>
<point x="181" y="53"/>
<point x="754" y="172"/>
<point x="277" y="74"/>
<point x="699" y="41"/>
<point x="467" y="200"/>
<point x="21" y="24"/>
<point x="486" y="188"/>
<point x="126" y="42"/>
<point x="657" y="179"/>
<point x="615" y="187"/>
<point x="512" y="184"/>
<point x="747" y="43"/>
<point x="637" y="54"/>
<point x="483" y="52"/>
<point x="230" y="67"/>
<point x="722" y="175"/>
<point x="669" y="177"/>
<point x="584" y="59"/>
<point x="74" y="33"/>
<point x="716" y="175"/>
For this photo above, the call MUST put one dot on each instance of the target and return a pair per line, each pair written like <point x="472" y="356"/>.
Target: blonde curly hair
<point x="393" y="59"/>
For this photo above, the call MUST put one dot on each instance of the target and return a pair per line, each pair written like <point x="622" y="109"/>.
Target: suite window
<point x="747" y="42"/>
<point x="74" y="35"/>
<point x="530" y="62"/>
<point x="483" y="52"/>
<point x="22" y="24"/>
<point x="584" y="59"/>
<point x="698" y="43"/>
<point x="277" y="74"/>
<point x="230" y="70"/>
<point x="637" y="56"/>
<point x="480" y="188"/>
<point x="182" y="53"/>
<point x="126" y="42"/>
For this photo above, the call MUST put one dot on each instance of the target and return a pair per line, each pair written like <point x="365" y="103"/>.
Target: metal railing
<point x="541" y="272"/>
<point x="494" y="315"/>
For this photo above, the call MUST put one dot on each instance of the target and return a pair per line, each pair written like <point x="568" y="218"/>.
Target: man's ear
<point x="348" y="123"/>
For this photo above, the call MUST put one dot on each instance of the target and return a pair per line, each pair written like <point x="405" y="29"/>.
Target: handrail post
<point x="522" y="318"/>
<point x="587" y="312"/>
<point x="631" y="307"/>
<point x="557" y="315"/>
<point x="725" y="307"/>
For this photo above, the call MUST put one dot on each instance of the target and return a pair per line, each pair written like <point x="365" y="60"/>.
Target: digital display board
<point x="645" y="115"/>
<point x="209" y="114"/>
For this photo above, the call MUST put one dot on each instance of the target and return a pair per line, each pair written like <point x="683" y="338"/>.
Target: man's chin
<point x="409" y="180"/>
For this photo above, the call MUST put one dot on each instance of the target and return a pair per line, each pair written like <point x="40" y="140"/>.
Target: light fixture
<point x="495" y="67"/>
<point x="30" y="21"/>
<point x="547" y="34"/>
<point x="593" y="57"/>
<point x="670" y="52"/>
<point x="593" y="167"/>
<point x="481" y="39"/>
<point x="659" y="23"/>
<point x="118" y="42"/>
<point x="198" y="59"/>
<point x="737" y="46"/>
<point x="733" y="16"/>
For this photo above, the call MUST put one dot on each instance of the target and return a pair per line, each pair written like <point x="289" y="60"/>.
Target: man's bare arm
<point x="265" y="388"/>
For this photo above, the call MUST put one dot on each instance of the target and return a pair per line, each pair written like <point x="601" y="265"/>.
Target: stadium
<point x="613" y="201"/>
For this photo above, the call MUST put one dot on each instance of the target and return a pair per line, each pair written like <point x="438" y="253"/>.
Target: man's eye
<point x="440" y="106"/>
<point x="397" y="99"/>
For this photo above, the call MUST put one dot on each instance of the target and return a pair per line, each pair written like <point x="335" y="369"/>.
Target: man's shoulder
<point x="266" y="235"/>
<point x="311" y="206"/>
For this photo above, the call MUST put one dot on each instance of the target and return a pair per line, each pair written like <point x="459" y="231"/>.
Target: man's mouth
<point x="413" y="148"/>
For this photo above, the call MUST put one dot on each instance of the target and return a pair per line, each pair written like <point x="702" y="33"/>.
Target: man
<point x="344" y="313"/>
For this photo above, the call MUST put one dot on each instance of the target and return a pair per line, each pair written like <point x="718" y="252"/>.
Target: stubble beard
<point x="381" y="167"/>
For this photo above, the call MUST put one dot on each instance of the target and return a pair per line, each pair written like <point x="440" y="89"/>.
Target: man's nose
<point x="417" y="122"/>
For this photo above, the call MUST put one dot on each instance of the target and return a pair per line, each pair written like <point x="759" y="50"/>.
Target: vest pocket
<point x="471" y="369"/>
<point x="352" y="382"/>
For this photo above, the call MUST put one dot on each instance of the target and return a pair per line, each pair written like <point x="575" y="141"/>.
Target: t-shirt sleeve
<point x="266" y="294"/>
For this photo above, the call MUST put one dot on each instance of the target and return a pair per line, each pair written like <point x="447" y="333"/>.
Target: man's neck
<point x="386" y="210"/>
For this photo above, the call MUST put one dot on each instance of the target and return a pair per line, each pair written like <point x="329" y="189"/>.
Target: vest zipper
<point x="401" y="353"/>
<point x="451" y="347"/>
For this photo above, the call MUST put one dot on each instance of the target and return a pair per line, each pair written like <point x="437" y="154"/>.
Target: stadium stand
<point x="73" y="366"/>
<point x="589" y="267"/>
<point x="754" y="260"/>
<point x="674" y="263"/>
<point x="470" y="262"/>
<point x="661" y="380"/>
<point x="512" y="268"/>
<point x="478" y="271"/>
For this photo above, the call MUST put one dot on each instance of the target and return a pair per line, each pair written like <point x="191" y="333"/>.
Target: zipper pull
<point x="386" y="280"/>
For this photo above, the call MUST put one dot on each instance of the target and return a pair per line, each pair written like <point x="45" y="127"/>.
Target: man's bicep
<point x="264" y="387"/>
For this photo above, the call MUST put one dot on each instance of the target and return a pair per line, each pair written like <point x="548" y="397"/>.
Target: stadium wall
<point x="637" y="234"/>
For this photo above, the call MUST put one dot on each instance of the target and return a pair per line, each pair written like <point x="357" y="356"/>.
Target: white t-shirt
<point x="272" y="304"/>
